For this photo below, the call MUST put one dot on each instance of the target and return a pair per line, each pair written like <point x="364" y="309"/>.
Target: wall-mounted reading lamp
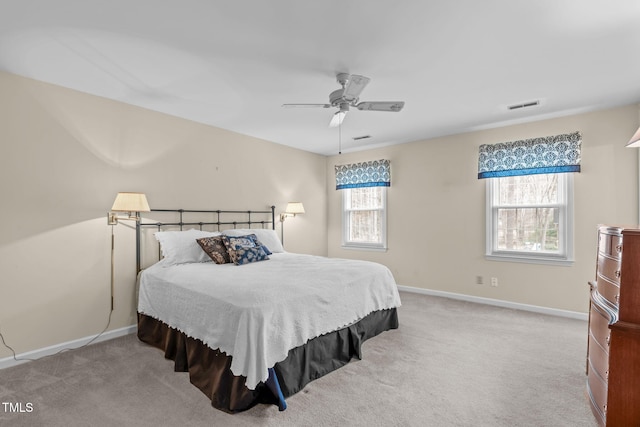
<point x="293" y="209"/>
<point x="133" y="204"/>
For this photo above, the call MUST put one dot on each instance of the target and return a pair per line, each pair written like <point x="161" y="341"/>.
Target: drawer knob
<point x="617" y="274"/>
<point x="617" y="298"/>
<point x="618" y="248"/>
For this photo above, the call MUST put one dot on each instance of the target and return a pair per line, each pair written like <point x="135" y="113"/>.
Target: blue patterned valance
<point x="551" y="154"/>
<point x="376" y="173"/>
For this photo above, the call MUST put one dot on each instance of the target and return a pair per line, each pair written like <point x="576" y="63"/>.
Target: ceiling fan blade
<point x="306" y="105"/>
<point x="381" y="106"/>
<point x="355" y="86"/>
<point x="337" y="118"/>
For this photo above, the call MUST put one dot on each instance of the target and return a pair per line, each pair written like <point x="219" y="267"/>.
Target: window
<point x="530" y="218"/>
<point x="364" y="220"/>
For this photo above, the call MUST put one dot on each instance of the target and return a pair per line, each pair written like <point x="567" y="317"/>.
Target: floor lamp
<point x="133" y="203"/>
<point x="634" y="142"/>
<point x="293" y="209"/>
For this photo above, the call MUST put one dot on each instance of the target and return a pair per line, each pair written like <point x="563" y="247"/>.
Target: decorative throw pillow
<point x="259" y="243"/>
<point x="243" y="249"/>
<point x="215" y="248"/>
<point x="267" y="236"/>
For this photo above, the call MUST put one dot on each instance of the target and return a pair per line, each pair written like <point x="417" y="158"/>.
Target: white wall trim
<point x="8" y="362"/>
<point x="497" y="302"/>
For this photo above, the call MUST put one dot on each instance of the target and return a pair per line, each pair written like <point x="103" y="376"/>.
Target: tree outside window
<point x="364" y="217"/>
<point x="529" y="216"/>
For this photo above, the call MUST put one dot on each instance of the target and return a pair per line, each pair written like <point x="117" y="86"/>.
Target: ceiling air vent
<point x="358" y="138"/>
<point x="523" y="105"/>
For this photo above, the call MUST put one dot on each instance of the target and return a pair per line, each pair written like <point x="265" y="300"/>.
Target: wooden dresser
<point x="613" y="352"/>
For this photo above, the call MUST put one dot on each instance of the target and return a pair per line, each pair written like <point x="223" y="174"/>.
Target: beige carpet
<point x="451" y="363"/>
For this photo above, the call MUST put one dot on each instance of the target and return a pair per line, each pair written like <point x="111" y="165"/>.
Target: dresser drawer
<point x="609" y="290"/>
<point x="597" y="390"/>
<point x="598" y="359"/>
<point x="609" y="268"/>
<point x="610" y="245"/>
<point x="599" y="327"/>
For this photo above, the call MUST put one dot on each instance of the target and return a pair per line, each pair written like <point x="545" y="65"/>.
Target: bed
<point x="255" y="331"/>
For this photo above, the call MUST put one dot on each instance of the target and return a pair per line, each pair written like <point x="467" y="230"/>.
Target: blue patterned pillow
<point x="255" y="239"/>
<point x="244" y="249"/>
<point x="259" y="243"/>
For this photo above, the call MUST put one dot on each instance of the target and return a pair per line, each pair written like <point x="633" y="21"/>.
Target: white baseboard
<point x="48" y="351"/>
<point x="497" y="302"/>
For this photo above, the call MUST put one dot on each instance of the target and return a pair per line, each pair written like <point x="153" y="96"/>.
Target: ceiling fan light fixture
<point x="337" y="118"/>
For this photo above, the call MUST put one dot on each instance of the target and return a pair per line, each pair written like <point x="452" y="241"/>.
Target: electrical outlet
<point x="494" y="282"/>
<point x="479" y="280"/>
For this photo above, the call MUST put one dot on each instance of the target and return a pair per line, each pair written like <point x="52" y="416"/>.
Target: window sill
<point x="364" y="248"/>
<point x="523" y="258"/>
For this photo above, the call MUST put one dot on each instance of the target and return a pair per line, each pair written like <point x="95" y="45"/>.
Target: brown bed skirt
<point x="209" y="369"/>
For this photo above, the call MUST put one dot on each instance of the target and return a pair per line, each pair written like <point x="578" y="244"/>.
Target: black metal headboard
<point x="238" y="218"/>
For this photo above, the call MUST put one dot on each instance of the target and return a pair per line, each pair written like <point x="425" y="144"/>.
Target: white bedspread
<point x="258" y="312"/>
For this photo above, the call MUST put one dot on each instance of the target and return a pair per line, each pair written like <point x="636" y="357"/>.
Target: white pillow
<point x="267" y="237"/>
<point x="180" y="247"/>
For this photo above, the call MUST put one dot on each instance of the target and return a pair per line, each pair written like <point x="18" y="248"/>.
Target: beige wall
<point x="436" y="210"/>
<point x="64" y="156"/>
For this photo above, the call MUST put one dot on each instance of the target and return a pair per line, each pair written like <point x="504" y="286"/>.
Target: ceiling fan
<point x="348" y="96"/>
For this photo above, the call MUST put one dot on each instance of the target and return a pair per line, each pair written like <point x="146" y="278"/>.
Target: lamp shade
<point x="634" y="142"/>
<point x="130" y="202"/>
<point x="294" y="208"/>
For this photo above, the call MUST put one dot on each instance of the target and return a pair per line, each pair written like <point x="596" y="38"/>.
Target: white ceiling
<point x="232" y="64"/>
